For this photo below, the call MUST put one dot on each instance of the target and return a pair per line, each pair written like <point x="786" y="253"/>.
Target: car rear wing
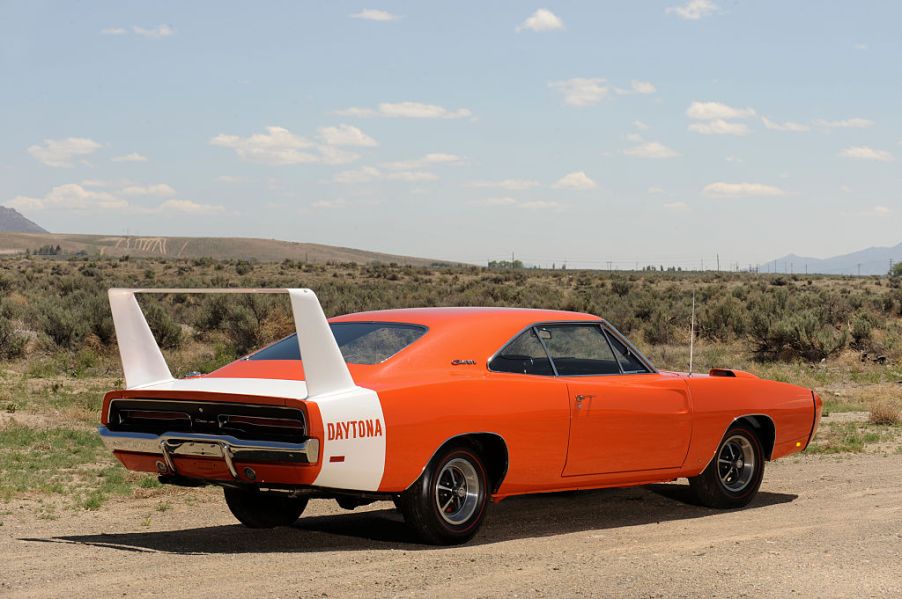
<point x="143" y="363"/>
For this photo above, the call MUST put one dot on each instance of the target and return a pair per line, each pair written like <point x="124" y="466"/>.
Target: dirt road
<point x="822" y="526"/>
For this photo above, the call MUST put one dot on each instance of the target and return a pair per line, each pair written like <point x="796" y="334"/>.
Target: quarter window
<point x="579" y="349"/>
<point x="628" y="360"/>
<point x="523" y="355"/>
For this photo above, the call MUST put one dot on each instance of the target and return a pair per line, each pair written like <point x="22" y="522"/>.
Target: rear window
<point x="359" y="342"/>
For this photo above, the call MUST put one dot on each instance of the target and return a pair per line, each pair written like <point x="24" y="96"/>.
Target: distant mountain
<point x="245" y="248"/>
<point x="13" y="222"/>
<point x="872" y="261"/>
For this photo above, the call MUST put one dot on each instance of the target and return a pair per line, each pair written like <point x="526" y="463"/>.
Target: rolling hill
<point x="264" y="250"/>
<point x="870" y="261"/>
<point x="12" y="221"/>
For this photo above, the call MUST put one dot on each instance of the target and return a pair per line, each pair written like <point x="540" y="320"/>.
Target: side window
<point x="579" y="349"/>
<point x="523" y="355"/>
<point x="628" y="362"/>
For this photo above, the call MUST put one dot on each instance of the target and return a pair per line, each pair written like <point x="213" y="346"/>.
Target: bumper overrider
<point x="230" y="449"/>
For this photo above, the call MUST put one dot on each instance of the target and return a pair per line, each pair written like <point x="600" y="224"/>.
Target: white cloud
<point x="655" y="189"/>
<point x="676" y="206"/>
<point x="693" y="10"/>
<point x="70" y="196"/>
<point x="508" y="184"/>
<point x="787" y="126"/>
<point x="867" y="153"/>
<point x="410" y="176"/>
<point x="877" y="211"/>
<point x="539" y="205"/>
<point x="580" y="91"/>
<point x="720" y="127"/>
<point x="75" y="197"/>
<point x="188" y="207"/>
<point x="346" y="135"/>
<point x="114" y="31"/>
<point x="360" y="175"/>
<point x="637" y="87"/>
<point x="133" y="157"/>
<point x="155" y="33"/>
<point x="279" y="146"/>
<point x="61" y="152"/>
<point x="372" y="14"/>
<point x="640" y="126"/>
<point x="370" y="173"/>
<point x="853" y="123"/>
<point x="577" y="181"/>
<point x="494" y="201"/>
<point x="431" y="159"/>
<point x="160" y="189"/>
<point x="407" y="110"/>
<point x="231" y="179"/>
<point x="708" y="111"/>
<point x="721" y="189"/>
<point x="643" y="87"/>
<point x="335" y="155"/>
<point x="541" y="20"/>
<point x="651" y="149"/>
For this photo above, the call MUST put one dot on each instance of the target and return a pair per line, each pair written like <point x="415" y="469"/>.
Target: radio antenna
<point x="692" y="333"/>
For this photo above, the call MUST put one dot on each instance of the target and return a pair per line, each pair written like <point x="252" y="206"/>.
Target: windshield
<point x="359" y="342"/>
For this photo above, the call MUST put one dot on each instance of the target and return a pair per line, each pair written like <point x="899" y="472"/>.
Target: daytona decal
<point x="354" y="429"/>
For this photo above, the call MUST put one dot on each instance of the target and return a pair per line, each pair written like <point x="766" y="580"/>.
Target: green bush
<point x="12" y="343"/>
<point x="166" y="331"/>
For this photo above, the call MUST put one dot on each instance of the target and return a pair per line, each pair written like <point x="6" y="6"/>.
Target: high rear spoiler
<point x="143" y="363"/>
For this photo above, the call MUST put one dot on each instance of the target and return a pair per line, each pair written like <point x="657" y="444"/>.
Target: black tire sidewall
<point x="418" y="503"/>
<point x="746" y="494"/>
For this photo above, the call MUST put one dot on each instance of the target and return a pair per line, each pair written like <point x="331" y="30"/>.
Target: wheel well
<point x="491" y="448"/>
<point x="762" y="426"/>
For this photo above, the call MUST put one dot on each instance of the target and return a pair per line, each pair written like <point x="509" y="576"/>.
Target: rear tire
<point x="261" y="510"/>
<point x="447" y="504"/>
<point x="734" y="475"/>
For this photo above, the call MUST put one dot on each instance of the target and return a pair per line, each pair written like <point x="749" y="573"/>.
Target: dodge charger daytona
<point x="441" y="410"/>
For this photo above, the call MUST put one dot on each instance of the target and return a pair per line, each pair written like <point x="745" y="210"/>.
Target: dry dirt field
<point x="822" y="526"/>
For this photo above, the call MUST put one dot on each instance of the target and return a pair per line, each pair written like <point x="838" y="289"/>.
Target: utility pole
<point x="610" y="268"/>
<point x="718" y="262"/>
<point x="859" y="269"/>
<point x="806" y="269"/>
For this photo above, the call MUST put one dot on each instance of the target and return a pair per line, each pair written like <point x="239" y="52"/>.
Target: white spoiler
<point x="143" y="363"/>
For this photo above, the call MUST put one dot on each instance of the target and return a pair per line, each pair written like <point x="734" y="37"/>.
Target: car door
<point x="623" y="416"/>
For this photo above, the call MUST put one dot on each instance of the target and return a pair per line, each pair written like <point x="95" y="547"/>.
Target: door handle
<point x="581" y="398"/>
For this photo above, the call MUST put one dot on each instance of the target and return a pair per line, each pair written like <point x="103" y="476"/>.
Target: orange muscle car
<point x="441" y="410"/>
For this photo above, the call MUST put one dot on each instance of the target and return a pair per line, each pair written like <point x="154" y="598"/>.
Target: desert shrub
<point x="62" y="324"/>
<point x="794" y="335"/>
<point x="861" y="330"/>
<point x="12" y="343"/>
<point x="722" y="320"/>
<point x="884" y="412"/>
<point x="165" y="330"/>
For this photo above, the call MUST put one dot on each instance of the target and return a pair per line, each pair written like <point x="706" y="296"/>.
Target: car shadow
<point x="529" y="516"/>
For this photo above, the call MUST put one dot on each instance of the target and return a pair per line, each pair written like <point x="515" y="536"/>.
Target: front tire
<point x="261" y="510"/>
<point x="447" y="504"/>
<point x="733" y="477"/>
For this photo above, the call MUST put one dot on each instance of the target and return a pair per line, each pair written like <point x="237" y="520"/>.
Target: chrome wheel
<point x="736" y="463"/>
<point x="457" y="491"/>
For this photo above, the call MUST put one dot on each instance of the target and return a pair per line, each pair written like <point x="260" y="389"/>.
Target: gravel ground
<point x="822" y="526"/>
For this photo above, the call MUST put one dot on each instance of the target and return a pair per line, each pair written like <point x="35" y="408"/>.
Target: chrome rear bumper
<point x="225" y="447"/>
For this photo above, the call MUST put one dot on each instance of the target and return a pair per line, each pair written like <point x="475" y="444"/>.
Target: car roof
<point x="467" y="316"/>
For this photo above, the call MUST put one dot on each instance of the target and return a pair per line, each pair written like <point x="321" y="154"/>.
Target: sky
<point x="586" y="133"/>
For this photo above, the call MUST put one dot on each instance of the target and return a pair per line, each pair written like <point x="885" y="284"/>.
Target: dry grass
<point x="884" y="412"/>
